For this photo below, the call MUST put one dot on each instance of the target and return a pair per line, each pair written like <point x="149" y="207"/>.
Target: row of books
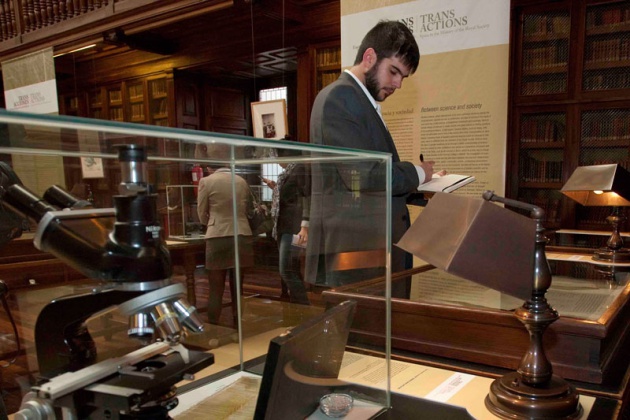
<point x="543" y="130"/>
<point x="607" y="50"/>
<point x="595" y="217"/>
<point x="116" y="114"/>
<point x="115" y="95"/>
<point x="160" y="106"/>
<point x="328" y="57"/>
<point x="544" y="87"/>
<point x="600" y="126"/>
<point x="546" y="24"/>
<point x="537" y="170"/>
<point x="136" y="92"/>
<point x="158" y="87"/>
<point x="606" y="81"/>
<point x="550" y="205"/>
<point x="137" y="112"/>
<point x="545" y="57"/>
<point x="604" y="17"/>
<point x="326" y="78"/>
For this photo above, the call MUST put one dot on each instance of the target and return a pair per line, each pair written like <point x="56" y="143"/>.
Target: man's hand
<point x="269" y="182"/>
<point x="427" y="167"/>
<point x="302" y="236"/>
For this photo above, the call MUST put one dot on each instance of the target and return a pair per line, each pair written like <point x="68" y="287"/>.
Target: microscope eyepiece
<point x="133" y="169"/>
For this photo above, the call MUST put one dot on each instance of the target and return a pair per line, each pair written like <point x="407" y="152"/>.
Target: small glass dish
<point x="336" y="405"/>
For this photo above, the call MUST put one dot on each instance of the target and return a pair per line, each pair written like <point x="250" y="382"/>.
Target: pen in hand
<point x="421" y="158"/>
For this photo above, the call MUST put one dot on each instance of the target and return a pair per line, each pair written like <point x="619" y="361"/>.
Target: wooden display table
<point x="452" y="318"/>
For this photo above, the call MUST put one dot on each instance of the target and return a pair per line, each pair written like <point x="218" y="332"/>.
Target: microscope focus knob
<point x="34" y="408"/>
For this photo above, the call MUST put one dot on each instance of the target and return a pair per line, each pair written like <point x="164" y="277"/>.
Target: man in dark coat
<point x="348" y="209"/>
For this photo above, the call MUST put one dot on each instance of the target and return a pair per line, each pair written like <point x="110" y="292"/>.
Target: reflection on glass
<point x="578" y="290"/>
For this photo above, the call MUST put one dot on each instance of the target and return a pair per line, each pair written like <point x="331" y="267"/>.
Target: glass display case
<point x="182" y="221"/>
<point x="118" y="207"/>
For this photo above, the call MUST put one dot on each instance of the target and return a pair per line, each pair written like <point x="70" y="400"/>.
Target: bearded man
<point x="347" y="211"/>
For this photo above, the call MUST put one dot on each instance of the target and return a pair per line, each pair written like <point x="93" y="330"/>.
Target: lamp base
<point x="612" y="255"/>
<point x="510" y="398"/>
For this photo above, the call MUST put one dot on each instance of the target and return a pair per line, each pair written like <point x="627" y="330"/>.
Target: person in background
<point x="214" y="208"/>
<point x="347" y="113"/>
<point x="290" y="211"/>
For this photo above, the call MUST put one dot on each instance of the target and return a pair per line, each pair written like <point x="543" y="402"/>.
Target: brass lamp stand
<point x="614" y="252"/>
<point x="533" y="391"/>
<point x="603" y="185"/>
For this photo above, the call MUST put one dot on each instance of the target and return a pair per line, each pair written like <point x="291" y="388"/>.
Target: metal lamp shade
<point x="476" y="240"/>
<point x="612" y="183"/>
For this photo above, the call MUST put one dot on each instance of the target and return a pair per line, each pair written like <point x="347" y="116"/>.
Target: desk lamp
<point x="505" y="251"/>
<point x="603" y="185"/>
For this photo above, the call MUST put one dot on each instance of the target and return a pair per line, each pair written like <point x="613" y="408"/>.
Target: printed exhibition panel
<point x="453" y="110"/>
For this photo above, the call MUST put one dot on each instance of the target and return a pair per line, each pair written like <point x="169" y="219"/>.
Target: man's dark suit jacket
<point x="348" y="202"/>
<point x="294" y="201"/>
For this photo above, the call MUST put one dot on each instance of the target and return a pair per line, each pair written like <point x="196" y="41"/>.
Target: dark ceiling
<point x="243" y="41"/>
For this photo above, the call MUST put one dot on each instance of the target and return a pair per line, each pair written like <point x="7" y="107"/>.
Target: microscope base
<point x="145" y="389"/>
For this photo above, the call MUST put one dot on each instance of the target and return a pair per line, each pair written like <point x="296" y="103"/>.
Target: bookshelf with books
<point x="545" y="52"/>
<point x="135" y="101"/>
<point x="604" y="139"/>
<point x="542" y="137"/>
<point x="327" y="65"/>
<point x="96" y="105"/>
<point x="318" y="66"/>
<point x="160" y="91"/>
<point x="146" y="100"/>
<point x="115" y="110"/>
<point x="570" y="101"/>
<point x="607" y="46"/>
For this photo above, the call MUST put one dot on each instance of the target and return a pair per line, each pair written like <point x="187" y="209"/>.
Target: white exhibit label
<point x="449" y="387"/>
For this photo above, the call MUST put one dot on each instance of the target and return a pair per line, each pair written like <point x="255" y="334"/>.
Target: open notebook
<point x="446" y="183"/>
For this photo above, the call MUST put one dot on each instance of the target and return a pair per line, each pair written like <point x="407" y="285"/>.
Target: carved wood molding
<point x="54" y="27"/>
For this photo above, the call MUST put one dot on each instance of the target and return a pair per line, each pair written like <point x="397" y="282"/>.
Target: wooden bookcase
<point x="318" y="66"/>
<point x="570" y="101"/>
<point x="327" y="65"/>
<point x="146" y="100"/>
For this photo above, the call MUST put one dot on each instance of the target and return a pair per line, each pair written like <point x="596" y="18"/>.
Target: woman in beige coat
<point x="215" y="210"/>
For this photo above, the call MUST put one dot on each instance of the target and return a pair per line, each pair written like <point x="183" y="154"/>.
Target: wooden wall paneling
<point x="304" y="95"/>
<point x="188" y="111"/>
<point x="226" y="111"/>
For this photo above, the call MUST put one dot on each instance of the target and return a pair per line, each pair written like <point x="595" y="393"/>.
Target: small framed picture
<point x="269" y="119"/>
<point x="92" y="167"/>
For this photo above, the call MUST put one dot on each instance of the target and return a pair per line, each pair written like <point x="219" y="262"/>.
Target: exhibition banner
<point x="31" y="86"/>
<point x="453" y="110"/>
